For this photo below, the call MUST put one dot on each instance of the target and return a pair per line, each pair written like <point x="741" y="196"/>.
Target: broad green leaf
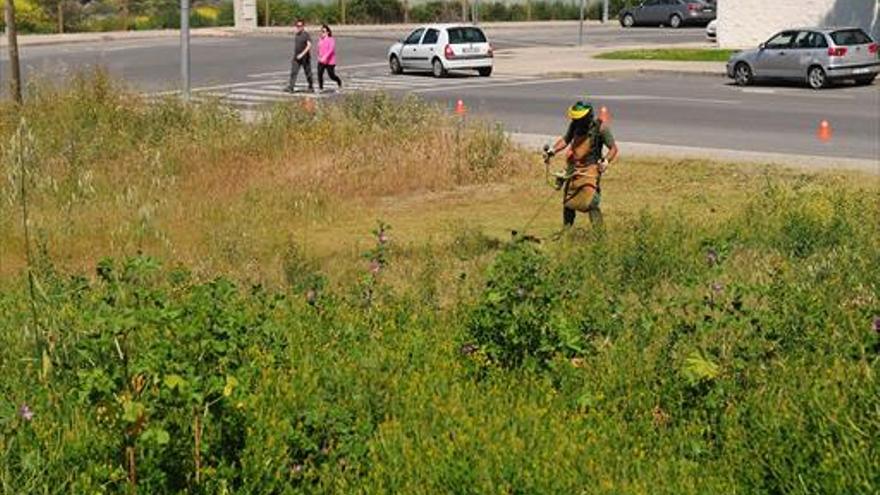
<point x="132" y="411"/>
<point x="156" y="435"/>
<point x="175" y="382"/>
<point x="231" y="383"/>
<point x="698" y="368"/>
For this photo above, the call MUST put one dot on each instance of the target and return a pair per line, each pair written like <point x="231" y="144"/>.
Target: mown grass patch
<point x="671" y="54"/>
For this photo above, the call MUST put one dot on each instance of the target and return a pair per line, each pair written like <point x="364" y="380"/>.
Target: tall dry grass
<point x="113" y="173"/>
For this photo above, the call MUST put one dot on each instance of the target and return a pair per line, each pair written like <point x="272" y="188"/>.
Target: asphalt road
<point x="154" y="64"/>
<point x="696" y="111"/>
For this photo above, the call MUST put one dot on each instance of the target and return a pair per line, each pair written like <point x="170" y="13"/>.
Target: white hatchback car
<point x="440" y="48"/>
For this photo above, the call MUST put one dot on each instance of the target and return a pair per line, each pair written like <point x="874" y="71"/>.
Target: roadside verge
<point x="645" y="150"/>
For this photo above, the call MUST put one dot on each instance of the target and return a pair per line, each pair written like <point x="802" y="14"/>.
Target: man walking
<point x="302" y="56"/>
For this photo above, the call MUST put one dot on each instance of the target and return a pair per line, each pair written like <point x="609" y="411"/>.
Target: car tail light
<point x="448" y="53"/>
<point x="694" y="6"/>
<point x="840" y="51"/>
<point x="492" y="50"/>
<point x="873" y="47"/>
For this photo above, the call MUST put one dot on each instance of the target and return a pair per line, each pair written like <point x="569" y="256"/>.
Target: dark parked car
<point x="672" y="13"/>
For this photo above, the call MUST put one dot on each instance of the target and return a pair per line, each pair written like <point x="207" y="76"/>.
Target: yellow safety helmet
<point x="579" y="110"/>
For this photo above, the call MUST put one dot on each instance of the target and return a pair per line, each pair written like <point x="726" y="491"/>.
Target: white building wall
<point x="746" y="23"/>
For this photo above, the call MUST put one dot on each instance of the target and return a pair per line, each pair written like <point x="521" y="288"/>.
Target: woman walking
<point x="327" y="57"/>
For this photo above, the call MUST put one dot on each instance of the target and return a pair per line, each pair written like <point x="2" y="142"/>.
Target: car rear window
<point x="849" y="37"/>
<point x="458" y="36"/>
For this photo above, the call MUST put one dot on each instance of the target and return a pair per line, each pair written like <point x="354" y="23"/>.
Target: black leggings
<point x="331" y="71"/>
<point x="568" y="216"/>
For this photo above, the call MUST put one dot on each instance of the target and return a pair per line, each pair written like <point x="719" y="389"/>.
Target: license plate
<point x="863" y="70"/>
<point x="470" y="49"/>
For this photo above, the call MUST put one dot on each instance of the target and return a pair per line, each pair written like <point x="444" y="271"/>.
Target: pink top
<point x="327" y="50"/>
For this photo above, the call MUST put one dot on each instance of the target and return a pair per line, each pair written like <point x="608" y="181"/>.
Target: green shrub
<point x="512" y="322"/>
<point x="374" y="11"/>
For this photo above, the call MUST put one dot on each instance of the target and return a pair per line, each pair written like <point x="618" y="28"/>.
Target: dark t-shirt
<point x="299" y="43"/>
<point x="599" y="133"/>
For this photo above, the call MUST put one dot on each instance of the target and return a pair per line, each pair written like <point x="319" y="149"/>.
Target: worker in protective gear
<point x="586" y="140"/>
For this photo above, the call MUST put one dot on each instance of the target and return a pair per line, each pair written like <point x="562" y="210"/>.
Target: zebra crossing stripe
<point x="269" y="90"/>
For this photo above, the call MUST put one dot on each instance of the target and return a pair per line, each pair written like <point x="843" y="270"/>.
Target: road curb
<point x="650" y="150"/>
<point x="230" y="32"/>
<point x="628" y="70"/>
<point x="75" y="38"/>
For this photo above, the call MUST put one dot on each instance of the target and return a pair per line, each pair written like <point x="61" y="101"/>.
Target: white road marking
<point x="339" y="68"/>
<point x="663" y="98"/>
<point x="521" y="82"/>
<point x="762" y="91"/>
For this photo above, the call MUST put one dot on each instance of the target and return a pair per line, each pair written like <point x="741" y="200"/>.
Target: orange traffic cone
<point x="308" y="104"/>
<point x="605" y="115"/>
<point x="824" y="131"/>
<point x="460" y="109"/>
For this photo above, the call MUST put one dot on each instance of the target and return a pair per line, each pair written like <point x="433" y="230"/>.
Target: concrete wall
<point x="746" y="23"/>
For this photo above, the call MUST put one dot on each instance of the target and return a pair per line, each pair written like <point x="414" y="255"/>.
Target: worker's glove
<point x="561" y="178"/>
<point x="548" y="153"/>
<point x="603" y="165"/>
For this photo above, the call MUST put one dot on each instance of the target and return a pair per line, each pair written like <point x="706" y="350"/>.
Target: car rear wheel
<point x="628" y="21"/>
<point x="485" y="71"/>
<point x="437" y="68"/>
<point x="743" y="74"/>
<point x="865" y="80"/>
<point x="394" y="64"/>
<point x="816" y="77"/>
<point x="675" y="21"/>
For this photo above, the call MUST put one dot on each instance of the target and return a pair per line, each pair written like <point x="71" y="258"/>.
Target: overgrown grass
<point x="671" y="54"/>
<point x="112" y="174"/>
<point x="250" y="336"/>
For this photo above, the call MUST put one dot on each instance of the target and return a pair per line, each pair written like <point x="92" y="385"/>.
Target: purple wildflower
<point x="877" y="324"/>
<point x="375" y="267"/>
<point x="297" y="468"/>
<point x="717" y="287"/>
<point x="311" y="296"/>
<point x="383" y="237"/>
<point x="25" y="413"/>
<point x="712" y="257"/>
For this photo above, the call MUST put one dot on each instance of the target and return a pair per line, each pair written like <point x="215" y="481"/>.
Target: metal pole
<point x="14" y="66"/>
<point x="581" y="25"/>
<point x="184" y="49"/>
<point x="605" y="12"/>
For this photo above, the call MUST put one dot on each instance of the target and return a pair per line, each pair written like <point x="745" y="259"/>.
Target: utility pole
<point x="266" y="22"/>
<point x="184" y="48"/>
<point x="581" y="25"/>
<point x="14" y="67"/>
<point x="61" y="16"/>
<point x="605" y="12"/>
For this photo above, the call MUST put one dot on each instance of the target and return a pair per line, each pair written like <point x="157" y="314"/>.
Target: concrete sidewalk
<point x="61" y="39"/>
<point x="390" y="30"/>
<point x="649" y="150"/>
<point x="580" y="62"/>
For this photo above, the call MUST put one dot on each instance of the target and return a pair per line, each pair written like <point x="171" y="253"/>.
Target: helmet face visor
<point x="579" y="110"/>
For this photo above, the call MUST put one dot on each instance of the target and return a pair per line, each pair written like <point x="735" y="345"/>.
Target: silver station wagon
<point x="818" y="56"/>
